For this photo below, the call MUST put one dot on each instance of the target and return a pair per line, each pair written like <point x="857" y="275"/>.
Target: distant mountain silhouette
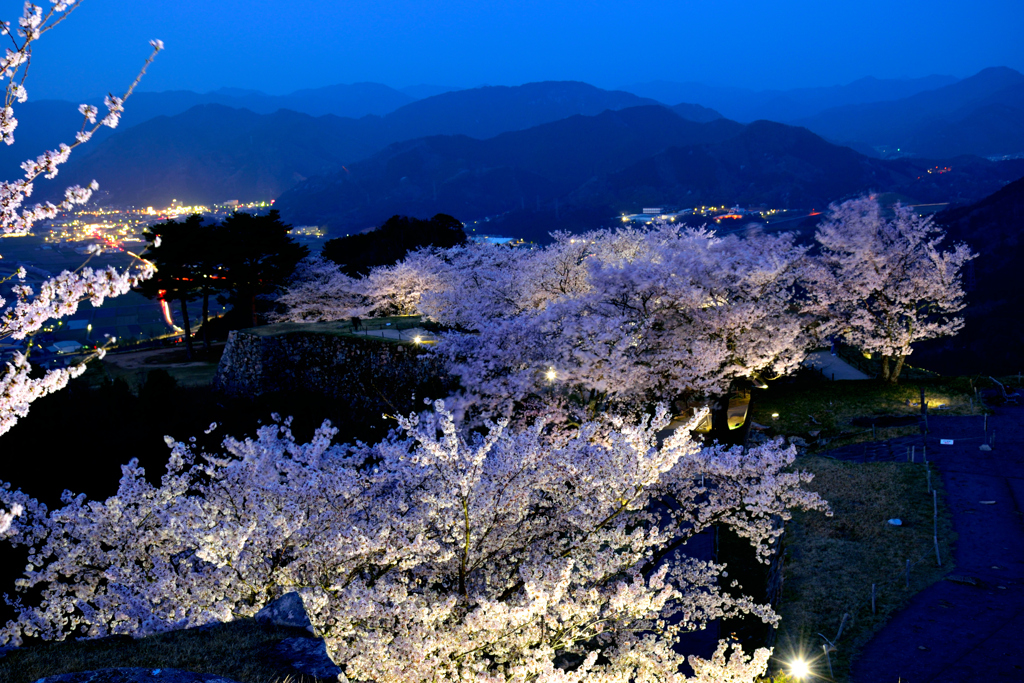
<point x="212" y="153"/>
<point x="788" y="167"/>
<point x="353" y="100"/>
<point x="488" y="111"/>
<point x="530" y="169"/>
<point x="422" y="91"/>
<point x="741" y="104"/>
<point x="695" y="112"/>
<point x="46" y="123"/>
<point x="983" y="114"/>
<point x="991" y="340"/>
<point x="581" y="171"/>
<point x="766" y="163"/>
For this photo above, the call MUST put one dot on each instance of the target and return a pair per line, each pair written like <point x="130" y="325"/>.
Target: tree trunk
<point x="899" y="368"/>
<point x="252" y="309"/>
<point x="206" y="320"/>
<point x="891" y="375"/>
<point x="189" y="351"/>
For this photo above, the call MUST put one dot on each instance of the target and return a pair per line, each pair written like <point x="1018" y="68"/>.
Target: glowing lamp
<point x="551" y="375"/>
<point x="799" y="669"/>
<point x="417" y="339"/>
<point x="775" y="416"/>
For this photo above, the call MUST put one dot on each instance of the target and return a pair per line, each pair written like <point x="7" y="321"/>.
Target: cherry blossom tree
<point x="482" y="283"/>
<point x="440" y="553"/>
<point x="318" y="292"/>
<point x="59" y="296"/>
<point x="398" y="289"/>
<point x="630" y="316"/>
<point x="884" y="283"/>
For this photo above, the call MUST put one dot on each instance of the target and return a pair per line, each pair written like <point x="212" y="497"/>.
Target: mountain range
<point x="745" y="105"/>
<point x="983" y="115"/>
<point x="579" y="172"/>
<point x="212" y="153"/>
<point x="545" y="152"/>
<point x="46" y="123"/>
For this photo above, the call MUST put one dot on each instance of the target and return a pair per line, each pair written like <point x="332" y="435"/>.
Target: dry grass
<point x="237" y="650"/>
<point x="831" y="562"/>
<point x="134" y="366"/>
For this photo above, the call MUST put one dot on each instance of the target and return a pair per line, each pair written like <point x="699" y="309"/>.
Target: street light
<point x="798" y="669"/>
<point x="551" y="375"/>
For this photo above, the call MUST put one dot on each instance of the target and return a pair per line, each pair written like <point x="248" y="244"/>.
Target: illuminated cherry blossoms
<point x="615" y="316"/>
<point x="437" y="554"/>
<point x="883" y="283"/>
<point x="482" y="549"/>
<point x="61" y="295"/>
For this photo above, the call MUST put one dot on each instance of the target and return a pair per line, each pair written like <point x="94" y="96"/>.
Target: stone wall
<point x="371" y="374"/>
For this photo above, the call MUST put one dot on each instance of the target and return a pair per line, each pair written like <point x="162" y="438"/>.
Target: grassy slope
<point x="808" y="405"/>
<point x="831" y="562"/>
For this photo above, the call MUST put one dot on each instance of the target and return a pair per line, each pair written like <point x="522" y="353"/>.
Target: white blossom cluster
<point x="57" y="297"/>
<point x="883" y="283"/>
<point x="61" y="295"/>
<point x="626" y="314"/>
<point x="486" y="555"/>
<point x="319" y="291"/>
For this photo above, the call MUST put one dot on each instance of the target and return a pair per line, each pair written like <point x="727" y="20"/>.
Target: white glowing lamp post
<point x="799" y="669"/>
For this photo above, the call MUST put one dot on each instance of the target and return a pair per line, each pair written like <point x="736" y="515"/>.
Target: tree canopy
<point x="185" y="254"/>
<point x="388" y="244"/>
<point x="883" y="282"/>
<point x="258" y="257"/>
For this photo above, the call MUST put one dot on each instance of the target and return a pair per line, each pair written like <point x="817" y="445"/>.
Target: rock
<point x="814" y="433"/>
<point x="757" y="438"/>
<point x="965" y="580"/>
<point x="287" y="610"/>
<point x="135" y="675"/>
<point x="798" y="441"/>
<point x="306" y="656"/>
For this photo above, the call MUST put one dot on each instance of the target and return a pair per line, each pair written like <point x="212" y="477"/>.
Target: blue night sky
<point x="278" y="46"/>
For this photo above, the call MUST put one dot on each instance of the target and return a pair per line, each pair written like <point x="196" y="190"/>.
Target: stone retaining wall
<point x="369" y="374"/>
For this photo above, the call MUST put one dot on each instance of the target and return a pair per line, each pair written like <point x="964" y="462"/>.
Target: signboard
<point x="946" y="442"/>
